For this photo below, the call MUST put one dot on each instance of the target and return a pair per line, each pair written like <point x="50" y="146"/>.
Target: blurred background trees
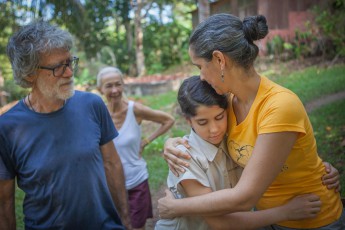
<point x="144" y="37"/>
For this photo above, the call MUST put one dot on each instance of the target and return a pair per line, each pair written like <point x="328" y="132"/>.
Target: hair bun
<point x="255" y="27"/>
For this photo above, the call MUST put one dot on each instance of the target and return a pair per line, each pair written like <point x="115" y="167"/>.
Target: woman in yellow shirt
<point x="269" y="132"/>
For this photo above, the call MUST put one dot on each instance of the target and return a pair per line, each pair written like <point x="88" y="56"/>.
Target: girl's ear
<point x="189" y="121"/>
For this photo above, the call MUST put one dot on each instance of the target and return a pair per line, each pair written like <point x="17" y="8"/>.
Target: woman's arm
<point x="165" y="120"/>
<point x="269" y="154"/>
<point x="175" y="159"/>
<point x="301" y="207"/>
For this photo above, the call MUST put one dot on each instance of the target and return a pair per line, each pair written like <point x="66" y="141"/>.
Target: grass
<point x="329" y="129"/>
<point x="311" y="83"/>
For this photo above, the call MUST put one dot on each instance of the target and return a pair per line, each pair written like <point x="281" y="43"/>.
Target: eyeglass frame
<point x="72" y="67"/>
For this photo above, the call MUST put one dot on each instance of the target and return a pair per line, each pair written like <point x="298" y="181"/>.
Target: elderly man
<point x="57" y="142"/>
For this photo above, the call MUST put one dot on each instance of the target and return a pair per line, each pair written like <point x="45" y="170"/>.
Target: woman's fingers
<point x="174" y="156"/>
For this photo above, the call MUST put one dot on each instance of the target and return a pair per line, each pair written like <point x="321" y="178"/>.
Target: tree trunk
<point x="204" y="9"/>
<point x="139" y="48"/>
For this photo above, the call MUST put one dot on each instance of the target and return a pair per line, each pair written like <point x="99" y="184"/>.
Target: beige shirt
<point x="212" y="167"/>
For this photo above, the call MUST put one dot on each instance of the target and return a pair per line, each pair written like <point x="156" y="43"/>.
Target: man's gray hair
<point x="26" y="47"/>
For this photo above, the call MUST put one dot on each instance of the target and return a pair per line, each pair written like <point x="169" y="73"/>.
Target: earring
<point x="222" y="76"/>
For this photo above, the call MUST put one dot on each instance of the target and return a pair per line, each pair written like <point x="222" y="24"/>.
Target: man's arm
<point x="116" y="182"/>
<point x="7" y="211"/>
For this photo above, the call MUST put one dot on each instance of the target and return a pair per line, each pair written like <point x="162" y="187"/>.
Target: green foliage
<point x="162" y="102"/>
<point x="301" y="44"/>
<point x="329" y="129"/>
<point x="331" y="21"/>
<point x="172" y="46"/>
<point x="19" y="208"/>
<point x="300" y="47"/>
<point x="15" y="92"/>
<point x="275" y="46"/>
<point x="156" y="164"/>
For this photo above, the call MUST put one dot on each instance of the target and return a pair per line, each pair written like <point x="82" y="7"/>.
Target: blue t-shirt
<point x="57" y="161"/>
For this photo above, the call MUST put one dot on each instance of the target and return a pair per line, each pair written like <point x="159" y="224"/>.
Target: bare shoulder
<point x="139" y="108"/>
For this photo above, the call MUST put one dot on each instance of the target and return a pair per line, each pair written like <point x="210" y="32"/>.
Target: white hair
<point x="105" y="71"/>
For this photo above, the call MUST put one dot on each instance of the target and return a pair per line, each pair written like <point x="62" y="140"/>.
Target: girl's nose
<point x="213" y="127"/>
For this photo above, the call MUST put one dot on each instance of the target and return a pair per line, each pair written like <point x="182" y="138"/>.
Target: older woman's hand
<point x="173" y="155"/>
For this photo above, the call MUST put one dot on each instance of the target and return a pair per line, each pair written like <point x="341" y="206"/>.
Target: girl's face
<point x="209" y="72"/>
<point x="112" y="87"/>
<point x="210" y="123"/>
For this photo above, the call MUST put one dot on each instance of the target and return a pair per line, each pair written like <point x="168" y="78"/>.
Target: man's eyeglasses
<point x="59" y="70"/>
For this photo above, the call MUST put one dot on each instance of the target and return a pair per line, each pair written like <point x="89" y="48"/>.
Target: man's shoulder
<point x="86" y="97"/>
<point x="79" y="94"/>
<point x="10" y="112"/>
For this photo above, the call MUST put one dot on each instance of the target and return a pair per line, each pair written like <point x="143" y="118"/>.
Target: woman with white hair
<point x="127" y="117"/>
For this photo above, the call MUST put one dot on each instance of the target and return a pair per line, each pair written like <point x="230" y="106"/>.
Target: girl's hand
<point x="331" y="179"/>
<point x="302" y="207"/>
<point x="173" y="155"/>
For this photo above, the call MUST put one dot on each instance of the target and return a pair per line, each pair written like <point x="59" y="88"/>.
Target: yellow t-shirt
<point x="277" y="109"/>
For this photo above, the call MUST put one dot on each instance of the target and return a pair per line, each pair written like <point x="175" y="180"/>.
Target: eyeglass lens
<point x="60" y="70"/>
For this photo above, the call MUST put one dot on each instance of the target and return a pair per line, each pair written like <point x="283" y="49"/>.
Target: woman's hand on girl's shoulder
<point x="174" y="157"/>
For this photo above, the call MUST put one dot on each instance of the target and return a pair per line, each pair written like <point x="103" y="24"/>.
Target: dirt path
<point x="311" y="106"/>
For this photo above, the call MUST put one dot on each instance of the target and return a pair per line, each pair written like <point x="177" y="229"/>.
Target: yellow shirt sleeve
<point x="282" y="112"/>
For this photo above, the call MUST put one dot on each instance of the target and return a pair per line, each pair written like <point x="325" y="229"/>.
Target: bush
<point x="331" y="21"/>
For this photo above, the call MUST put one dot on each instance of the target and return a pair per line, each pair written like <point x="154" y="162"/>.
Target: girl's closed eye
<point x="202" y="122"/>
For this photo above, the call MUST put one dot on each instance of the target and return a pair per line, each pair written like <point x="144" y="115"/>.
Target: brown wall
<point x="284" y="17"/>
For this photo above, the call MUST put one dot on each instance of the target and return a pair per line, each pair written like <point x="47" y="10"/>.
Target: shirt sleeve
<point x="6" y="172"/>
<point x="193" y="172"/>
<point x="282" y="112"/>
<point x="108" y="130"/>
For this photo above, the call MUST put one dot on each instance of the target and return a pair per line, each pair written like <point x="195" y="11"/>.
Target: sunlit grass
<point x="314" y="82"/>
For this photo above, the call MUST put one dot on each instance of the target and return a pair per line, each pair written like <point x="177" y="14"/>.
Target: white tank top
<point x="127" y="144"/>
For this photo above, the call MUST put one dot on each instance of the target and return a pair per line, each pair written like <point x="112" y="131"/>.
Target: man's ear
<point x="31" y="78"/>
